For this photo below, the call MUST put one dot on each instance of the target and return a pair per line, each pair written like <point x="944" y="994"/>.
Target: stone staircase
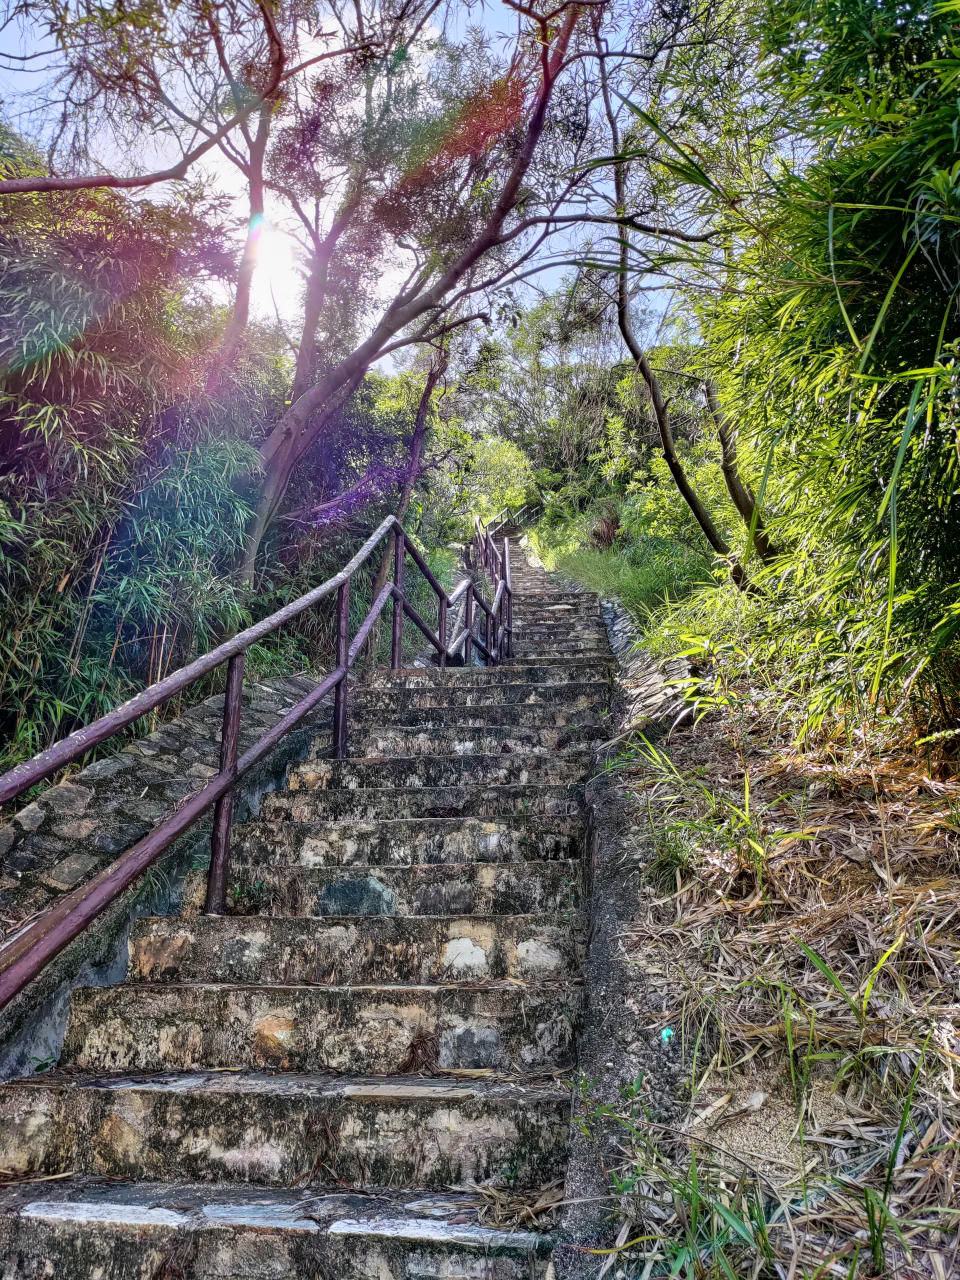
<point x="348" y="1074"/>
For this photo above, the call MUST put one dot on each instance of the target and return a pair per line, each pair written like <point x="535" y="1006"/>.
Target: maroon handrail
<point x="28" y="953"/>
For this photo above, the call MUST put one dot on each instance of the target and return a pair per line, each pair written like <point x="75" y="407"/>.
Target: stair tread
<point x="340" y="950"/>
<point x="492" y="986"/>
<point x="405" y="1215"/>
<point x="498" y="1087"/>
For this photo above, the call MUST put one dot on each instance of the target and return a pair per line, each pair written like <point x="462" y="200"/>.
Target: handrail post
<point x="486" y="634"/>
<point x="508" y="597"/>
<point x="442" y="630"/>
<point x="223" y="812"/>
<point x="468" y="623"/>
<point x="396" y="647"/>
<point x="340" y="693"/>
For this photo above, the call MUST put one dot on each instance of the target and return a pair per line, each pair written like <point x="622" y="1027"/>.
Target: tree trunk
<point x="278" y="477"/>
<point x="660" y="408"/>
<point x="741" y="495"/>
<point x="239" y="317"/>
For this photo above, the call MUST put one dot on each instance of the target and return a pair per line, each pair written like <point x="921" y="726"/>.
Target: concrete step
<point x="522" y="600"/>
<point x="449" y="889"/>
<point x="591" y="695"/>
<point x="359" y="1029"/>
<point x="533" y="606"/>
<point x="286" y="1130"/>
<point x="88" y="1229"/>
<point x="537" y="653"/>
<point x="563" y="626"/>
<point x="563" y="640"/>
<point x="578" y="713"/>
<point x="472" y="801"/>
<point x="527" y="657"/>
<point x="455" y="740"/>
<point x="404" y="842"/>
<point x="483" y="677"/>
<point x="351" y="950"/>
<point x="415" y="772"/>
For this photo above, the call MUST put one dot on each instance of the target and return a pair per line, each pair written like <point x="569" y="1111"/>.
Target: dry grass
<point x="509" y="1210"/>
<point x="807" y="909"/>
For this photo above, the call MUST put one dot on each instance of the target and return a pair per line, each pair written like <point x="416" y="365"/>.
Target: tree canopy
<point x="686" y="272"/>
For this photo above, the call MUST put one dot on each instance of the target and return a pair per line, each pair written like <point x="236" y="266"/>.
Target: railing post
<point x="396" y="647"/>
<point x="486" y="634"/>
<point x="508" y="598"/>
<point x="223" y="811"/>
<point x="442" y="630"/>
<point x="340" y="693"/>
<point x="468" y="623"/>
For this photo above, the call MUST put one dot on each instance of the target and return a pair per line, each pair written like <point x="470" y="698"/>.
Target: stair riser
<point x="500" y="715"/>
<point x="405" y="843"/>
<point x="570" y="695"/>
<point x="536" y="608"/>
<point x="454" y="741"/>
<point x="532" y="657"/>
<point x="549" y="651"/>
<point x="475" y="888"/>
<point x="345" y="952"/>
<point x="361" y="1031"/>
<point x="504" y="769"/>
<point x="428" y="802"/>
<point x="486" y="678"/>
<point x="277" y="1140"/>
<point x="36" y="1248"/>
<point x="575" y="627"/>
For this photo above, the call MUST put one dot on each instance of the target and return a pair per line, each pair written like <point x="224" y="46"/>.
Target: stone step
<point x="529" y="602"/>
<point x="563" y="631"/>
<point x="484" y="677"/>
<point x="404" y="842"/>
<point x="559" y="622"/>
<point x="523" y="600"/>
<point x="367" y="804"/>
<point x="530" y="715"/>
<point x="594" y="648"/>
<point x="555" y="617"/>
<point x="559" y="641"/>
<point x="414" y="772"/>
<point x="358" y="1029"/>
<point x="453" y="740"/>
<point x="570" y="695"/>
<point x="286" y="1130"/>
<point x="448" y="889"/>
<point x="88" y="1229"/>
<point x="352" y="950"/>
<point x="527" y="657"/>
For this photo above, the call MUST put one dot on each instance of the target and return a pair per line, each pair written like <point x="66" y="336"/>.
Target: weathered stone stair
<point x="315" y="1084"/>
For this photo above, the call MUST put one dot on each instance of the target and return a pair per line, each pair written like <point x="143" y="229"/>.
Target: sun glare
<point x="276" y="282"/>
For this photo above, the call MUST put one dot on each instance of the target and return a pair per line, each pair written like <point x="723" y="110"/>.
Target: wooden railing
<point x="506" y="516"/>
<point x="486" y="628"/>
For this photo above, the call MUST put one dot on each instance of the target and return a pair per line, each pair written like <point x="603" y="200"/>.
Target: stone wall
<point x="76" y="828"/>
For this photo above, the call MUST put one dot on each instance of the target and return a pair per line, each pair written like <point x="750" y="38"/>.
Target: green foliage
<point x="644" y="567"/>
<point x="125" y="490"/>
<point x="845" y="331"/>
<point x="498" y="474"/>
<point x="826" y="312"/>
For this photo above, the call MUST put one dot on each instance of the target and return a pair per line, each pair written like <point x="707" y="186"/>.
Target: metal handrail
<point x="29" y="952"/>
